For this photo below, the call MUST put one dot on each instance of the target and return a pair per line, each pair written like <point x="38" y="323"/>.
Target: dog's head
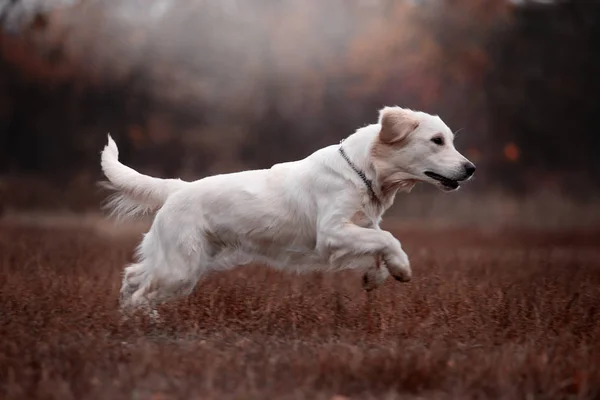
<point x="415" y="146"/>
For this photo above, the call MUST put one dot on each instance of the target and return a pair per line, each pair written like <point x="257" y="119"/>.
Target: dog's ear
<point x="396" y="124"/>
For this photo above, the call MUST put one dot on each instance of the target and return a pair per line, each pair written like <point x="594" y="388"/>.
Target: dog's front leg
<point x="343" y="243"/>
<point x="375" y="276"/>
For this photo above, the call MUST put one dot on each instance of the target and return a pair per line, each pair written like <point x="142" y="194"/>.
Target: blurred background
<point x="190" y="88"/>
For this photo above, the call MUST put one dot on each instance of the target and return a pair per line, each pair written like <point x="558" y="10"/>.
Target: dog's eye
<point x="438" y="140"/>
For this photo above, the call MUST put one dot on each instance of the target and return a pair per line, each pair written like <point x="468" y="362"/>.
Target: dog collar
<point x="368" y="183"/>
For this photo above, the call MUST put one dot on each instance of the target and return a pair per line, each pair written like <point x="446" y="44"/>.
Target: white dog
<point x="322" y="212"/>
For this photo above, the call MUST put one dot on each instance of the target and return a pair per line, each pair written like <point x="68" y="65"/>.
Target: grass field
<point x="507" y="314"/>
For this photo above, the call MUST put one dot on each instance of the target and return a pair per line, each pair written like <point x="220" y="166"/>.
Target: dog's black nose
<point x="469" y="168"/>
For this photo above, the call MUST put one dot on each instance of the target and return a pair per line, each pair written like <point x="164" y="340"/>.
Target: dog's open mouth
<point x="447" y="183"/>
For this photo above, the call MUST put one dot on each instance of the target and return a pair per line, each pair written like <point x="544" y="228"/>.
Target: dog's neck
<point x="368" y="182"/>
<point x="362" y="148"/>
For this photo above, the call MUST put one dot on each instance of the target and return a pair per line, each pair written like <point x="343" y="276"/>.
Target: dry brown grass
<point x="501" y="315"/>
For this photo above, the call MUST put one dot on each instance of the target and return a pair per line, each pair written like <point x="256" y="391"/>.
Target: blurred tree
<point x="197" y="86"/>
<point x="542" y="94"/>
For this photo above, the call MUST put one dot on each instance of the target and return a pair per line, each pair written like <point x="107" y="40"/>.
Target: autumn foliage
<point x="196" y="87"/>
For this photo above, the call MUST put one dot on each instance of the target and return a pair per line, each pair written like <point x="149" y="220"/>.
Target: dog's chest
<point x="365" y="219"/>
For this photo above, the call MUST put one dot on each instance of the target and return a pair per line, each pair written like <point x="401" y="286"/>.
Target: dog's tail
<point x="134" y="194"/>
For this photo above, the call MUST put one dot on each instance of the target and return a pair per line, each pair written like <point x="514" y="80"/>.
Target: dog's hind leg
<point x="170" y="264"/>
<point x="157" y="287"/>
<point x="137" y="283"/>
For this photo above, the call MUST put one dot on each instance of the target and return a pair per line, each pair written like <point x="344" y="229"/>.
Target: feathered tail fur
<point x="135" y="194"/>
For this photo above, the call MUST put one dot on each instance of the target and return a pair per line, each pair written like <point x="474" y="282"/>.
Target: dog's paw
<point x="399" y="267"/>
<point x="374" y="277"/>
<point x="403" y="278"/>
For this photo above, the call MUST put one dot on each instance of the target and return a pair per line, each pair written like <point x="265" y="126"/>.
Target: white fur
<point x="315" y="213"/>
<point x="135" y="194"/>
